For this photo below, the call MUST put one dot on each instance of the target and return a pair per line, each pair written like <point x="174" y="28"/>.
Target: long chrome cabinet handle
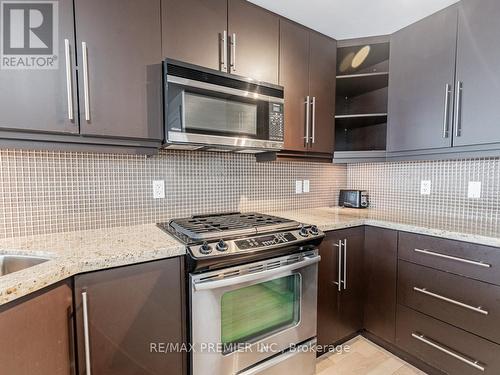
<point x="462" y="260"/>
<point x="224" y="52"/>
<point x="233" y="52"/>
<point x="69" y="79"/>
<point x="208" y="285"/>
<point x="308" y="114"/>
<point x="345" y="264"/>
<point x="339" y="245"/>
<point x="86" y="93"/>
<point x="86" y="335"/>
<point x="458" y="109"/>
<point x="313" y="135"/>
<point x="446" y="121"/>
<point x="467" y="361"/>
<point x="449" y="300"/>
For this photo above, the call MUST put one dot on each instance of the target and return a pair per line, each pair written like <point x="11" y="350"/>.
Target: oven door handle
<point x="207" y="285"/>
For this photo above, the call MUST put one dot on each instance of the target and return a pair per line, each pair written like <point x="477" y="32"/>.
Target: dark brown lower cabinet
<point x="340" y="308"/>
<point x="132" y="311"/>
<point x="444" y="346"/>
<point x="36" y="334"/>
<point x="380" y="273"/>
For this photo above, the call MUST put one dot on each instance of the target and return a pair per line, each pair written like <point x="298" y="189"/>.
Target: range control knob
<point x="304" y="232"/>
<point x="205" y="248"/>
<point x="314" y="230"/>
<point x="221" y="246"/>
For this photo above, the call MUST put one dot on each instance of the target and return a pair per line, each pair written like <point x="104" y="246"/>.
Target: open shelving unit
<point x="361" y="99"/>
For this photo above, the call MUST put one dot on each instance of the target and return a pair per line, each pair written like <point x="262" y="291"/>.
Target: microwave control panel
<point x="276" y="121"/>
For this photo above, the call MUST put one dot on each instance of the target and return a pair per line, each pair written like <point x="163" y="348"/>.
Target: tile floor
<point x="364" y="358"/>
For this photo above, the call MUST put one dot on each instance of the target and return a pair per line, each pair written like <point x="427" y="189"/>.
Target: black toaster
<point x="353" y="198"/>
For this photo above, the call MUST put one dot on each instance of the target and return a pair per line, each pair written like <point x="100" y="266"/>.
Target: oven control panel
<point x="263" y="242"/>
<point x="270" y="240"/>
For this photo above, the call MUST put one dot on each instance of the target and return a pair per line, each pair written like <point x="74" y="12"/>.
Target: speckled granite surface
<point x="71" y="253"/>
<point x="337" y="218"/>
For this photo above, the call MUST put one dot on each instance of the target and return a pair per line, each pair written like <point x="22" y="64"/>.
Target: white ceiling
<point x="344" y="19"/>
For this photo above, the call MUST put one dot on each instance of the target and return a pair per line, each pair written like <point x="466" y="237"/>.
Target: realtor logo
<point x="29" y="34"/>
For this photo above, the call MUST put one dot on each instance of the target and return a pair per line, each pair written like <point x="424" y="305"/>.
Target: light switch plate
<point x="158" y="189"/>
<point x="474" y="191"/>
<point x="305" y="186"/>
<point x="298" y="187"/>
<point x="425" y="187"/>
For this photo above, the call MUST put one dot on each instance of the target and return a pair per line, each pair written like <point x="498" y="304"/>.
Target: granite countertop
<point x="71" y="253"/>
<point x="331" y="218"/>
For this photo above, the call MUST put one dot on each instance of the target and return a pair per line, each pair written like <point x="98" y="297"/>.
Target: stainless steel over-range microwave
<point x="208" y="109"/>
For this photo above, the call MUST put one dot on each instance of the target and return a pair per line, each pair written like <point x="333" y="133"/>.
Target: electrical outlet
<point x="158" y="189"/>
<point x="425" y="187"/>
<point x="305" y="186"/>
<point x="298" y="187"/>
<point x="474" y="190"/>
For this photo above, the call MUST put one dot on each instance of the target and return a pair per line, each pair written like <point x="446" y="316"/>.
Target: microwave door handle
<point x="208" y="285"/>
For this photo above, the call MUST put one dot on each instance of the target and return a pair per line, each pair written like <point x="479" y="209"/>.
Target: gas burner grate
<point x="206" y="227"/>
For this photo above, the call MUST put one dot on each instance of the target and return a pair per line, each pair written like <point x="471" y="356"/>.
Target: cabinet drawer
<point x="468" y="304"/>
<point x="475" y="261"/>
<point x="445" y="347"/>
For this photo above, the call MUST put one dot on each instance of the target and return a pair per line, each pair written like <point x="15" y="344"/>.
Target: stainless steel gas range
<point x="252" y="293"/>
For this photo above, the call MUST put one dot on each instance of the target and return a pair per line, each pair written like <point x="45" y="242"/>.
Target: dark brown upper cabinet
<point x="422" y="64"/>
<point x="43" y="100"/>
<point x="477" y="116"/>
<point x="444" y="86"/>
<point x="340" y="285"/>
<point x="120" y="73"/>
<point x="233" y="36"/>
<point x="307" y="72"/>
<point x="253" y="41"/>
<point x="122" y="312"/>
<point x="193" y="31"/>
<point x="37" y="333"/>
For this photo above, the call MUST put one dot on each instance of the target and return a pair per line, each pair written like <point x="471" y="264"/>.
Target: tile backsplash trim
<point x="46" y="192"/>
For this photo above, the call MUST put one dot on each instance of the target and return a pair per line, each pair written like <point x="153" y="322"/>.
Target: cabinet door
<point x="192" y="31"/>
<point x="256" y="34"/>
<point x="294" y="77"/>
<point x="380" y="272"/>
<point x="422" y="62"/>
<point x="322" y="79"/>
<point x="478" y="72"/>
<point x="130" y="310"/>
<point x="123" y="40"/>
<point x="351" y="298"/>
<point x="37" y="335"/>
<point x="37" y="99"/>
<point x="340" y="312"/>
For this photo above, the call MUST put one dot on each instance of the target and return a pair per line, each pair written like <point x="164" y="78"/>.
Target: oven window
<point x="212" y="114"/>
<point x="256" y="311"/>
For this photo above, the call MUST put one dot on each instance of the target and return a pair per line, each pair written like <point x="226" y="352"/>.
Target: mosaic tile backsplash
<point x="45" y="192"/>
<point x="394" y="190"/>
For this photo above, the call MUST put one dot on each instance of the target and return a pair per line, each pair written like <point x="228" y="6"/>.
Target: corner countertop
<point x="332" y="218"/>
<point x="71" y="253"/>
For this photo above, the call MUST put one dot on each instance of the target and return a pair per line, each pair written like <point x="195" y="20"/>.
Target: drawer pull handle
<point x="467" y="361"/>
<point x="468" y="261"/>
<point x="452" y="301"/>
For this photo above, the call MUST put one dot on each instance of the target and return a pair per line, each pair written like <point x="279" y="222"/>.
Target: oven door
<point x="208" y="114"/>
<point x="243" y="315"/>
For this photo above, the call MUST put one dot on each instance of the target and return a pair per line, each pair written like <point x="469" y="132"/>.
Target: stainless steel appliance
<point x="353" y="198"/>
<point x="252" y="293"/>
<point x="212" y="110"/>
